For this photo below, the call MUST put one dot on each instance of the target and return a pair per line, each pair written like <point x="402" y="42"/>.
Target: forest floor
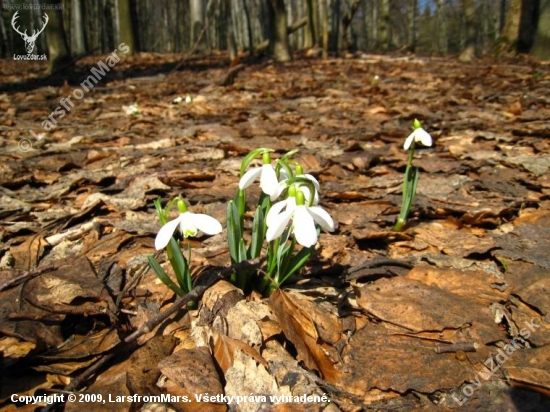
<point x="453" y="313"/>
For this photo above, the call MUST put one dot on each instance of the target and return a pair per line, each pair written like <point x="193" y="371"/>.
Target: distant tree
<point x="413" y="20"/>
<point x="384" y="25"/>
<point x="78" y="46"/>
<point x="197" y="19"/>
<point x="124" y="23"/>
<point x="528" y="25"/>
<point x="510" y="31"/>
<point x="442" y="40"/>
<point x="469" y="49"/>
<point x="58" y="48"/>
<point x="541" y="46"/>
<point x="310" y="38"/>
<point x="279" y="47"/>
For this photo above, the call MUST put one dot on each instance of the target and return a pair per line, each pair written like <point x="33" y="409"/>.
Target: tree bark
<point x="324" y="25"/>
<point x="541" y="46"/>
<point x="125" y="28"/>
<point x="279" y="47"/>
<point x="413" y="20"/>
<point x="469" y="50"/>
<point x="510" y="31"/>
<point x="78" y="47"/>
<point x="347" y="18"/>
<point x="528" y="25"/>
<point x="197" y="20"/>
<point x="248" y="28"/>
<point x="58" y="48"/>
<point x="384" y="25"/>
<point x="310" y="36"/>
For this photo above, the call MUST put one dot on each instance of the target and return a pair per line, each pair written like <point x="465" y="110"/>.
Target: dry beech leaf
<point x="224" y="349"/>
<point x="300" y="329"/>
<point x="192" y="372"/>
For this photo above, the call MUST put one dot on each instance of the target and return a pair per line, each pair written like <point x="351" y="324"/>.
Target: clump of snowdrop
<point x="294" y="220"/>
<point x="285" y="232"/>
<point x="189" y="224"/>
<point x="410" y="182"/>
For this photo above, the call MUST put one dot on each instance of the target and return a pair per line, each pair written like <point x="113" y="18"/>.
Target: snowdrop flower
<point x="283" y="184"/>
<point x="268" y="178"/>
<point x="133" y="109"/>
<point x="303" y="219"/>
<point x="188" y="99"/>
<point x="189" y="225"/>
<point x="418" y="135"/>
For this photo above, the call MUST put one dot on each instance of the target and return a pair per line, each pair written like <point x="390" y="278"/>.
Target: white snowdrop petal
<point x="165" y="233"/>
<point x="423" y="137"/>
<point x="207" y="224"/>
<point x="315" y="181"/>
<point x="322" y="217"/>
<point x="304" y="227"/>
<point x="278" y="226"/>
<point x="249" y="177"/>
<point x="408" y="141"/>
<point x="274" y="212"/>
<point x="268" y="180"/>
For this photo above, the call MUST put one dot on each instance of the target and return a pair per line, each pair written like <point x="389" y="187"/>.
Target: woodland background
<point x="467" y="28"/>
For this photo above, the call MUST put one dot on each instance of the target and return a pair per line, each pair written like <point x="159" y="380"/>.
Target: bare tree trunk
<point x="197" y="20"/>
<point x="528" y="25"/>
<point x="248" y="28"/>
<point x="124" y="22"/>
<point x="78" y="47"/>
<point x="335" y="29"/>
<point x="541" y="46"/>
<point x="228" y="29"/>
<point x="469" y="50"/>
<point x="324" y="25"/>
<point x="443" y="40"/>
<point x="346" y="23"/>
<point x="384" y="25"/>
<point x="57" y="41"/>
<point x="278" y="31"/>
<point x="510" y="32"/>
<point x="310" y="36"/>
<point x="413" y="20"/>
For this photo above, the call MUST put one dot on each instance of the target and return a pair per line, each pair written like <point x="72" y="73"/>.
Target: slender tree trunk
<point x="310" y="36"/>
<point x="384" y="26"/>
<point x="413" y="20"/>
<point x="248" y="28"/>
<point x="324" y="27"/>
<point x="469" y="49"/>
<point x="335" y="23"/>
<point x="124" y="21"/>
<point x="278" y="31"/>
<point x="58" y="48"/>
<point x="541" y="46"/>
<point x="197" y="20"/>
<point x="510" y="32"/>
<point x="443" y="42"/>
<point x="528" y="25"/>
<point x="78" y="47"/>
<point x="347" y="18"/>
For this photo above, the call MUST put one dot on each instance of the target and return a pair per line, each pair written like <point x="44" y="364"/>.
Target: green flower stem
<point x="409" y="189"/>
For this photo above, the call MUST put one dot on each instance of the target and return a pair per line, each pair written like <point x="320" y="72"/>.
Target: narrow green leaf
<point x="161" y="274"/>
<point x="179" y="264"/>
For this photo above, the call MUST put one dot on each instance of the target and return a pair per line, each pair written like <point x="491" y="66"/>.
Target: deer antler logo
<point x="29" y="40"/>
